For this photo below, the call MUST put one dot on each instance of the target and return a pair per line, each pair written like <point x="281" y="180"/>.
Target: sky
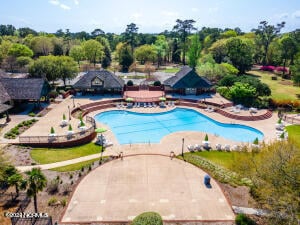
<point x="151" y="16"/>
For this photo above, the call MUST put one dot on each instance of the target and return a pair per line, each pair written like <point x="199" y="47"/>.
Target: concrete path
<point x="122" y="189"/>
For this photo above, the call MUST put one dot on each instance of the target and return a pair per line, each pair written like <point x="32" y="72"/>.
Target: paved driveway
<point x="122" y="189"/>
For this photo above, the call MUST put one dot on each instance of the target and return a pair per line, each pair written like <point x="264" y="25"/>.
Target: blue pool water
<point x="130" y="127"/>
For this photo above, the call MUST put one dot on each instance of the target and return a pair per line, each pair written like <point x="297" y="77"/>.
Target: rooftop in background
<point x="25" y="88"/>
<point x="187" y="78"/>
<point x="108" y="79"/>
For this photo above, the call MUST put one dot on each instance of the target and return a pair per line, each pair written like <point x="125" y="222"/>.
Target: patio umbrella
<point x="162" y="99"/>
<point x="100" y="130"/>
<point x="129" y="99"/>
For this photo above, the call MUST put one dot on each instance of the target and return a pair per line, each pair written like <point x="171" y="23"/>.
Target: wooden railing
<point x="291" y="119"/>
<point x="61" y="138"/>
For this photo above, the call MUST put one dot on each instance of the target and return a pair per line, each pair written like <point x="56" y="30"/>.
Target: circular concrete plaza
<point x="122" y="189"/>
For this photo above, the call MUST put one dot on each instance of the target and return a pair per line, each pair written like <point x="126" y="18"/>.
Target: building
<point x="101" y="82"/>
<point x="187" y="82"/>
<point x="16" y="90"/>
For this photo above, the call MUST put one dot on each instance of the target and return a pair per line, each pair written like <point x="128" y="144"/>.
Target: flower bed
<point x="20" y="128"/>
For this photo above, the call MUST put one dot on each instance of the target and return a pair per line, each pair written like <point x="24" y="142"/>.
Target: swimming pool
<point x="131" y="127"/>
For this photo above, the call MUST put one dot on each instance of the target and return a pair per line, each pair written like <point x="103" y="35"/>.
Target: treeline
<point x="221" y="51"/>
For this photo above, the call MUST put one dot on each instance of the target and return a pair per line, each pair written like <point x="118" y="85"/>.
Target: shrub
<point x="52" y="95"/>
<point x="281" y="69"/>
<point x="63" y="202"/>
<point x="52" y="201"/>
<point x="52" y="131"/>
<point x="53" y="186"/>
<point x="130" y="83"/>
<point x="82" y="168"/>
<point x="242" y="219"/>
<point x="267" y="68"/>
<point x="66" y="189"/>
<point x="70" y="127"/>
<point x="279" y="121"/>
<point x="255" y="141"/>
<point x="157" y="83"/>
<point x="32" y="114"/>
<point x="64" y="117"/>
<point x="90" y="167"/>
<point x="82" y="124"/>
<point x="148" y="218"/>
<point x="206" y="137"/>
<point x="79" y="174"/>
<point x="71" y="176"/>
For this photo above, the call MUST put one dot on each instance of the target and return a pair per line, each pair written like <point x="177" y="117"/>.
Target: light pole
<point x="182" y="148"/>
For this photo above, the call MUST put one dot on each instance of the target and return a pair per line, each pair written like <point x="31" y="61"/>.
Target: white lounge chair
<point x="153" y="104"/>
<point x="64" y="123"/>
<point x="227" y="147"/>
<point x="218" y="147"/>
<point x="206" y="145"/>
<point x="190" y="148"/>
<point x="236" y="148"/>
<point x="149" y="105"/>
<point x="197" y="147"/>
<point x="173" y="104"/>
<point x="253" y="110"/>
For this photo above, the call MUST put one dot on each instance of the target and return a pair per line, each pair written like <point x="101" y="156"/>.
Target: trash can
<point x="207" y="179"/>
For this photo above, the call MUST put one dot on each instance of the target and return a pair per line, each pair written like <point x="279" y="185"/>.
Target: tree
<point x="161" y="46"/>
<point x="44" y="66"/>
<point x="295" y="69"/>
<point x="97" y="32"/>
<point x="194" y="51"/>
<point x="145" y="53"/>
<point x="228" y="34"/>
<point x="184" y="28"/>
<point x="67" y="68"/>
<point x="130" y="35"/>
<point x="18" y="50"/>
<point x="175" y="52"/>
<point x="106" y="60"/>
<point x="219" y="50"/>
<point x="15" y="180"/>
<point x="265" y="35"/>
<point x="125" y="58"/>
<point x="24" y="31"/>
<point x="93" y="51"/>
<point x="275" y="174"/>
<point x="288" y="49"/>
<point x="34" y="183"/>
<point x="77" y="53"/>
<point x="7" y="30"/>
<point x="242" y="93"/>
<point x="149" y="68"/>
<point x="22" y="61"/>
<point x="239" y="52"/>
<point x="41" y="45"/>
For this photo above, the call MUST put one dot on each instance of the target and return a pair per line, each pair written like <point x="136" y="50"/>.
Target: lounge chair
<point x="64" y="123"/>
<point x="236" y="110"/>
<point x="153" y="104"/>
<point x="219" y="147"/>
<point x="197" y="147"/>
<point x="145" y="104"/>
<point x="149" y="105"/>
<point x="173" y="104"/>
<point x="227" y="148"/>
<point x="236" y="148"/>
<point x="206" y="145"/>
<point x="253" y="110"/>
<point x="190" y="148"/>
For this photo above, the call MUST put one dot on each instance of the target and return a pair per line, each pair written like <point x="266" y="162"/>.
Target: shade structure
<point x="100" y="130"/>
<point x="162" y="99"/>
<point x="129" y="99"/>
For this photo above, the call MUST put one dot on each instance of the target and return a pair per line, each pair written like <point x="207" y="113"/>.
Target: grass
<point x="51" y="155"/>
<point x="171" y="70"/>
<point x="225" y="159"/>
<point x="294" y="134"/>
<point x="279" y="91"/>
<point x="76" y="166"/>
<point x="218" y="165"/>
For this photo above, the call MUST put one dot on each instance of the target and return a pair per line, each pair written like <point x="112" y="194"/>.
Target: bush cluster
<point x="274" y="68"/>
<point x="148" y="218"/>
<point x="14" y="132"/>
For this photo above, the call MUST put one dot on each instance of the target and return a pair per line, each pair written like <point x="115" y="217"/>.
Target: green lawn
<point x="51" y="155"/>
<point x="225" y="159"/>
<point x="76" y="166"/>
<point x="279" y="90"/>
<point x="294" y="133"/>
<point x="171" y="70"/>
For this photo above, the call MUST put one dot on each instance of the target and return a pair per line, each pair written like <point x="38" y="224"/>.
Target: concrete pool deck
<point x="122" y="189"/>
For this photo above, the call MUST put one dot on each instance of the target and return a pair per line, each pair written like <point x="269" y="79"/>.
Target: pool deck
<point x="171" y="142"/>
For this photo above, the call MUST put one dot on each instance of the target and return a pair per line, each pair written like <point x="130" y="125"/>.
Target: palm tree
<point x="35" y="182"/>
<point x="15" y="180"/>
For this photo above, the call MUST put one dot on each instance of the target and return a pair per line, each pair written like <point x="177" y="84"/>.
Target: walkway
<point x="122" y="189"/>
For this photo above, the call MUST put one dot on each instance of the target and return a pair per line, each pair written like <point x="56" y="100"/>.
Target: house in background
<point x="99" y="82"/>
<point x="187" y="82"/>
<point x="14" y="91"/>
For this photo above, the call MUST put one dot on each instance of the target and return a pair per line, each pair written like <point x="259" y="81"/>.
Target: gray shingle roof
<point x="4" y="96"/>
<point x="24" y="88"/>
<point x="109" y="80"/>
<point x="187" y="78"/>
